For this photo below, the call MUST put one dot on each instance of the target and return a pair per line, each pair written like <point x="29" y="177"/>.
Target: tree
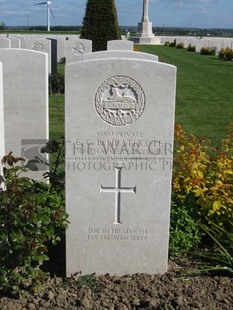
<point x="100" y="23"/>
<point x="2" y="25"/>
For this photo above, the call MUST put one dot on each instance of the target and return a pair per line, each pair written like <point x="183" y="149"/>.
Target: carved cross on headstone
<point x="118" y="190"/>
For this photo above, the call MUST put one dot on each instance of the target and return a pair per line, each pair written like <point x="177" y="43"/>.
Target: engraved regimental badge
<point x="120" y="101"/>
<point x="78" y="49"/>
<point x="37" y="46"/>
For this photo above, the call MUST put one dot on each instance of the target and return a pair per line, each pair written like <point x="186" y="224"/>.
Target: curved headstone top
<point x="119" y="54"/>
<point x="120" y="45"/>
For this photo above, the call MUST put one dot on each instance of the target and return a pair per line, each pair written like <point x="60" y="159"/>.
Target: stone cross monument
<point x="145" y="27"/>
<point x="145" y="17"/>
<point x="144" y="34"/>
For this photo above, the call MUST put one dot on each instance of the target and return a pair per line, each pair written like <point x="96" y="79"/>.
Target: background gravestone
<point x="25" y="89"/>
<point x="120" y="45"/>
<point x="5" y="43"/>
<point x="40" y="45"/>
<point x="15" y="42"/>
<point x="119" y="135"/>
<point x="75" y="48"/>
<point x="119" y="49"/>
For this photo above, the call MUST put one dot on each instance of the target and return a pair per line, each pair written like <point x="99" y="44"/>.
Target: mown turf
<point x="56" y="117"/>
<point x="57" y="112"/>
<point x="204" y="101"/>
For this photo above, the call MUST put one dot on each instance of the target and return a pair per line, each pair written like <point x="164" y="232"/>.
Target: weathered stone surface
<point x="40" y="45"/>
<point x="119" y="134"/>
<point x="119" y="54"/>
<point x="25" y="75"/>
<point x="76" y="48"/>
<point x="120" y="45"/>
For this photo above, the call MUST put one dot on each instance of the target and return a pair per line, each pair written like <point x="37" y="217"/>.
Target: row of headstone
<point x="119" y="122"/>
<point x="200" y="42"/>
<point x="56" y="47"/>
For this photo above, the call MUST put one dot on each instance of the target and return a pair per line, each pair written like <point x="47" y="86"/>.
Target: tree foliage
<point x="100" y="23"/>
<point x="2" y="26"/>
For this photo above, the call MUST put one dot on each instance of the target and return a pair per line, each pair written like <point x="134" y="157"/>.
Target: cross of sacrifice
<point x="118" y="190"/>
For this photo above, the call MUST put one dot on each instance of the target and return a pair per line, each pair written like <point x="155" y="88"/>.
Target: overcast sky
<point x="177" y="13"/>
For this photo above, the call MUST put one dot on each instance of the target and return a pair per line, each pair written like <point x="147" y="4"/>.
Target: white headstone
<point x="15" y="42"/>
<point x="121" y="45"/>
<point x="40" y="45"/>
<point x="2" y="134"/>
<point x="75" y="48"/>
<point x="25" y="76"/>
<point x="119" y="140"/>
<point x="5" y="43"/>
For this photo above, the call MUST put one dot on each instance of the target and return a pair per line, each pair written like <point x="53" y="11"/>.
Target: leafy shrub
<point x="135" y="48"/>
<point x="56" y="84"/>
<point x="226" y="54"/>
<point x="166" y="43"/>
<point x="31" y="215"/>
<point x="172" y="44"/>
<point x="203" y="192"/>
<point x="191" y="48"/>
<point x="185" y="234"/>
<point x="56" y="174"/>
<point x="180" y="45"/>
<point x="203" y="177"/>
<point x="208" y="51"/>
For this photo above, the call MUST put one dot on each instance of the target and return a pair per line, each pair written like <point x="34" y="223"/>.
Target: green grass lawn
<point x="56" y="117"/>
<point x="204" y="101"/>
<point x="57" y="112"/>
<point x="60" y="68"/>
